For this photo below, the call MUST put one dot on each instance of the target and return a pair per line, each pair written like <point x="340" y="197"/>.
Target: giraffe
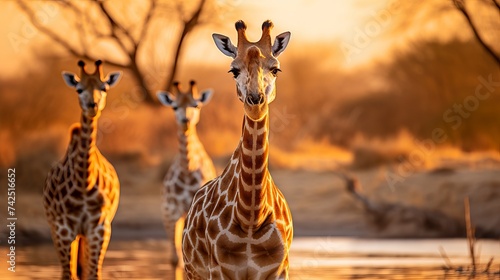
<point x="191" y="168"/>
<point x="82" y="190"/>
<point x="239" y="225"/>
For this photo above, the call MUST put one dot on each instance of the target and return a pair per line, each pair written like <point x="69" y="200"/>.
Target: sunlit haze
<point x="383" y="126"/>
<point x="312" y="22"/>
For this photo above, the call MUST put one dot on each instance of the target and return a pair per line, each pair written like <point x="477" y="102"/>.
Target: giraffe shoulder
<point x="204" y="193"/>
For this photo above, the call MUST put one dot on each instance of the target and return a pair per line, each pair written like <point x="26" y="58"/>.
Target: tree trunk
<point x="147" y="95"/>
<point x="188" y="27"/>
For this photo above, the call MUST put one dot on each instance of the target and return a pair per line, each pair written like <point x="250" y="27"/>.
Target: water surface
<point x="311" y="258"/>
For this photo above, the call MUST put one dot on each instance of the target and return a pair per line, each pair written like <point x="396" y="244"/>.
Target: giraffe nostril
<point x="92" y="105"/>
<point x="261" y="99"/>
<point x="185" y="120"/>
<point x="255" y="99"/>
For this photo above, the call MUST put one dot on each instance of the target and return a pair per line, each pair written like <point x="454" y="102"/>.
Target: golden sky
<point x="355" y="28"/>
<point x="316" y="21"/>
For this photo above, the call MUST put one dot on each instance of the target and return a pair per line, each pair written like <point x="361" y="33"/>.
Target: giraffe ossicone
<point x="239" y="225"/>
<point x="81" y="191"/>
<point x="191" y="168"/>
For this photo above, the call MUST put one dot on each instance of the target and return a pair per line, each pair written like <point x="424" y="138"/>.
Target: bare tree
<point x="480" y="15"/>
<point x="461" y="6"/>
<point x="110" y="25"/>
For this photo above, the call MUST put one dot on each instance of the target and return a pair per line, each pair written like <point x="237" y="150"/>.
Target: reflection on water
<point x="311" y="258"/>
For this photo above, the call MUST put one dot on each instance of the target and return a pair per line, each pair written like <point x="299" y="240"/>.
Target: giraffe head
<point x="255" y="66"/>
<point x="186" y="105"/>
<point x="91" y="87"/>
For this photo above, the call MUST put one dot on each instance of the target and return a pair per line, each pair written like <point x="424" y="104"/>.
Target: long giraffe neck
<point x="86" y="148"/>
<point x="253" y="185"/>
<point x="189" y="149"/>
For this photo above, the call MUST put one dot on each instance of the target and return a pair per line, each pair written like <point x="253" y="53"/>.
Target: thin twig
<point x="115" y="25"/>
<point x="449" y="265"/>
<point x="90" y="22"/>
<point x="46" y="31"/>
<point x="470" y="233"/>
<point x="490" y="262"/>
<point x="78" y="24"/>
<point x="59" y="40"/>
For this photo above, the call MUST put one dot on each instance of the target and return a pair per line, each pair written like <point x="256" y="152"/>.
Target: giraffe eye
<point x="235" y="72"/>
<point x="79" y="90"/>
<point x="175" y="108"/>
<point x="275" y="71"/>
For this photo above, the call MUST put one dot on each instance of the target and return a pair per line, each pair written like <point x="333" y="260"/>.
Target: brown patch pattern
<point x="237" y="232"/>
<point x="81" y="196"/>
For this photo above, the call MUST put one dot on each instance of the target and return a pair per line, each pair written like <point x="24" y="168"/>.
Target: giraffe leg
<point x="171" y="219"/>
<point x="284" y="275"/>
<point x="63" y="238"/>
<point x="78" y="257"/>
<point x="170" y="227"/>
<point x="179" y="273"/>
<point x="179" y="227"/>
<point x="97" y="244"/>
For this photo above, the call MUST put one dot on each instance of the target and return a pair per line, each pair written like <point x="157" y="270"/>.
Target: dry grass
<point x="310" y="155"/>
<point x="475" y="268"/>
<point x="369" y="153"/>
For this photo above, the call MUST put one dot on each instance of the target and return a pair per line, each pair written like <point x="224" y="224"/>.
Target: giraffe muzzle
<point x="92" y="107"/>
<point x="255" y="99"/>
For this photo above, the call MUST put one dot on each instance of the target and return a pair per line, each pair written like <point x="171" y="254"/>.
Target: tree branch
<point x="189" y="25"/>
<point x="132" y="54"/>
<point x="147" y="21"/>
<point x="497" y="4"/>
<point x="148" y="98"/>
<point x="113" y="28"/>
<point x="88" y="29"/>
<point x="460" y="4"/>
<point x="78" y="24"/>
<point x="114" y="24"/>
<point x="91" y="23"/>
<point x="56" y="38"/>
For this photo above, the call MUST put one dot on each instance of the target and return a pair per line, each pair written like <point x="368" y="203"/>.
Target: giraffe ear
<point x="113" y="78"/>
<point x="224" y="44"/>
<point x="70" y="79"/>
<point x="280" y="43"/>
<point x="206" y="95"/>
<point x="166" y="98"/>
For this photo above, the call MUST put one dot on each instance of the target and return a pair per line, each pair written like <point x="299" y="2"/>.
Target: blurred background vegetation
<point x="366" y="78"/>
